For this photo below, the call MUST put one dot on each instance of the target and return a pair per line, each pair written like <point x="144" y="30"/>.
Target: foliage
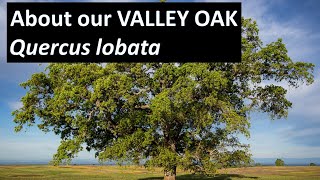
<point x="312" y="164"/>
<point x="279" y="162"/>
<point x="170" y="114"/>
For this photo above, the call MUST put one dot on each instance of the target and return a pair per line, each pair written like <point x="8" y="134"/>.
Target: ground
<point x="140" y="173"/>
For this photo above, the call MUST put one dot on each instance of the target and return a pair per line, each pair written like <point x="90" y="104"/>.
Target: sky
<point x="295" y="21"/>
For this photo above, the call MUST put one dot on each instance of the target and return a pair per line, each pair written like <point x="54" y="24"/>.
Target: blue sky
<point x="296" y="21"/>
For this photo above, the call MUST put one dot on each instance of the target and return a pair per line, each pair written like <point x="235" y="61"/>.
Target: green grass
<point x="140" y="173"/>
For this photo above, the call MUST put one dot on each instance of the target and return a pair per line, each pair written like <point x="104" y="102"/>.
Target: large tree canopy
<point x="167" y="114"/>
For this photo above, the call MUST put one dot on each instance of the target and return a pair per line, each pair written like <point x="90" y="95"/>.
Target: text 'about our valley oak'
<point x="124" y="32"/>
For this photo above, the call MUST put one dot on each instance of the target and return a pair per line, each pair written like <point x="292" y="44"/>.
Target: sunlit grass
<point x="140" y="173"/>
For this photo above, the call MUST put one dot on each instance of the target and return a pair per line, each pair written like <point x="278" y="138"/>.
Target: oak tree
<point x="168" y="115"/>
<point x="279" y="162"/>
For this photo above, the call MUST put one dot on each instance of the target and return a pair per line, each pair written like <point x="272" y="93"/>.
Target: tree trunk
<point x="170" y="174"/>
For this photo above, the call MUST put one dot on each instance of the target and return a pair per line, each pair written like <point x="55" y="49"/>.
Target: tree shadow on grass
<point x="195" y="176"/>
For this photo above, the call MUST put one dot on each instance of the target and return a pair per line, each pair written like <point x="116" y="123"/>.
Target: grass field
<point x="139" y="173"/>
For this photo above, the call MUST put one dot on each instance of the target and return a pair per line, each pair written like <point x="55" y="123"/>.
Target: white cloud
<point x="275" y="144"/>
<point x="15" y="105"/>
<point x="290" y="132"/>
<point x="301" y="41"/>
<point x="305" y="99"/>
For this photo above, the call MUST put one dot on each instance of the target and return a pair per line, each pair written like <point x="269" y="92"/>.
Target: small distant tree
<point x="258" y="164"/>
<point x="312" y="164"/>
<point x="279" y="162"/>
